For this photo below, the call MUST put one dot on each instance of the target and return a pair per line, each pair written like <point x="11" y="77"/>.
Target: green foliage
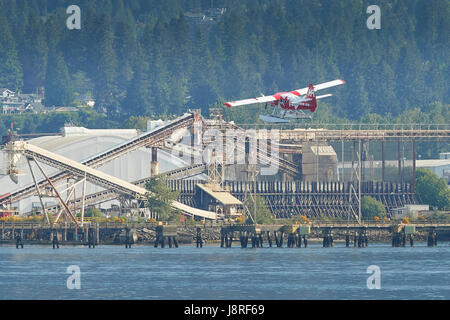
<point x="432" y="190"/>
<point x="58" y="83"/>
<point x="10" y="68"/>
<point x="52" y="122"/>
<point x="438" y="217"/>
<point x="371" y="208"/>
<point x="161" y="197"/>
<point x="136" y="122"/>
<point x="93" y="213"/>
<point x="263" y="214"/>
<point x="138" y="58"/>
<point x="37" y="218"/>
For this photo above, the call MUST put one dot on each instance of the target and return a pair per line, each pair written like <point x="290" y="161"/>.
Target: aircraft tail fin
<point x="311" y="100"/>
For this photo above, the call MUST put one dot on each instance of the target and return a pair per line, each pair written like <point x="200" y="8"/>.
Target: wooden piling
<point x="85" y="235"/>
<point x="291" y="240"/>
<point x="55" y="242"/>
<point x="157" y="240"/>
<point x="269" y="239"/>
<point x="430" y="241"/>
<point x="230" y="240"/>
<point x="97" y="233"/>
<point x="127" y="237"/>
<point x="327" y="238"/>
<point x="199" y="241"/>
<point x="91" y="238"/>
<point x="300" y="240"/>
<point x="19" y="242"/>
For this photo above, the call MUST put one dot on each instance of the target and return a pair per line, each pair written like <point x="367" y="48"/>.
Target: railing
<point x="352" y="126"/>
<point x="379" y="223"/>
<point x="17" y="225"/>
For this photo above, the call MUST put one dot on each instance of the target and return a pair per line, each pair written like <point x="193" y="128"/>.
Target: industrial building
<point x="79" y="143"/>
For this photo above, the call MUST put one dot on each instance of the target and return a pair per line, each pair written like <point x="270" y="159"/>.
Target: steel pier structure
<point x="153" y="137"/>
<point x="84" y="173"/>
<point x="290" y="198"/>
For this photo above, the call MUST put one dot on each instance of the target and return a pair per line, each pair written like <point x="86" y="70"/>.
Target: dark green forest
<point x="144" y="58"/>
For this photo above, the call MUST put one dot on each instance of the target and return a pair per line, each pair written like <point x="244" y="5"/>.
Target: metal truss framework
<point x="312" y="199"/>
<point x="346" y="204"/>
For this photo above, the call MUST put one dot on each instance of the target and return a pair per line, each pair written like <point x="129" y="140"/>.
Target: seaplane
<point x="297" y="104"/>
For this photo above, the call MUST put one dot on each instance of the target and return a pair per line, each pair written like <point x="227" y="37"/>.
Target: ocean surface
<point x="211" y="272"/>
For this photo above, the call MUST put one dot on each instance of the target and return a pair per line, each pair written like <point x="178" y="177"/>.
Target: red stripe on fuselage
<point x="278" y="95"/>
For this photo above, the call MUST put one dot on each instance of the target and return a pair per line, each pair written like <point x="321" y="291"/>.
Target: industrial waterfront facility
<point x="216" y="165"/>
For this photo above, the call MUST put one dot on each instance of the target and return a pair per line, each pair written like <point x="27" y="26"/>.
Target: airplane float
<point x="297" y="104"/>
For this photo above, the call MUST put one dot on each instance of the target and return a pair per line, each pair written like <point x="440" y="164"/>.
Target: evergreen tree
<point x="105" y="78"/>
<point x="257" y="46"/>
<point x="10" y="68"/>
<point x="432" y="190"/>
<point x="126" y="48"/>
<point x="138" y="99"/>
<point x="58" y="87"/>
<point x="161" y="198"/>
<point x="34" y="55"/>
<point x="263" y="214"/>
<point x="371" y="208"/>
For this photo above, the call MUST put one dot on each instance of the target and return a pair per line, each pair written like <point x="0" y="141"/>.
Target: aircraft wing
<point x="299" y="92"/>
<point x="324" y="96"/>
<point x="245" y="102"/>
<point x="317" y="87"/>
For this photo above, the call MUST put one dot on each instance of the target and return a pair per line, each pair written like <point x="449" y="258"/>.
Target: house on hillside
<point x="195" y="16"/>
<point x="18" y="103"/>
<point x="210" y="15"/>
<point x="215" y="13"/>
<point x="6" y="93"/>
<point x="85" y="100"/>
<point x="30" y="98"/>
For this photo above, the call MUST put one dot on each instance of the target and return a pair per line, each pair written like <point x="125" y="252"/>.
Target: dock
<point x="256" y="236"/>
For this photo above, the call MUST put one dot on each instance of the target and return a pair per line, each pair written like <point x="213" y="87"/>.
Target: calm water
<point x="144" y="272"/>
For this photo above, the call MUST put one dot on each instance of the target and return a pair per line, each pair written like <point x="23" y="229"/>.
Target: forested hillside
<point x="144" y="58"/>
